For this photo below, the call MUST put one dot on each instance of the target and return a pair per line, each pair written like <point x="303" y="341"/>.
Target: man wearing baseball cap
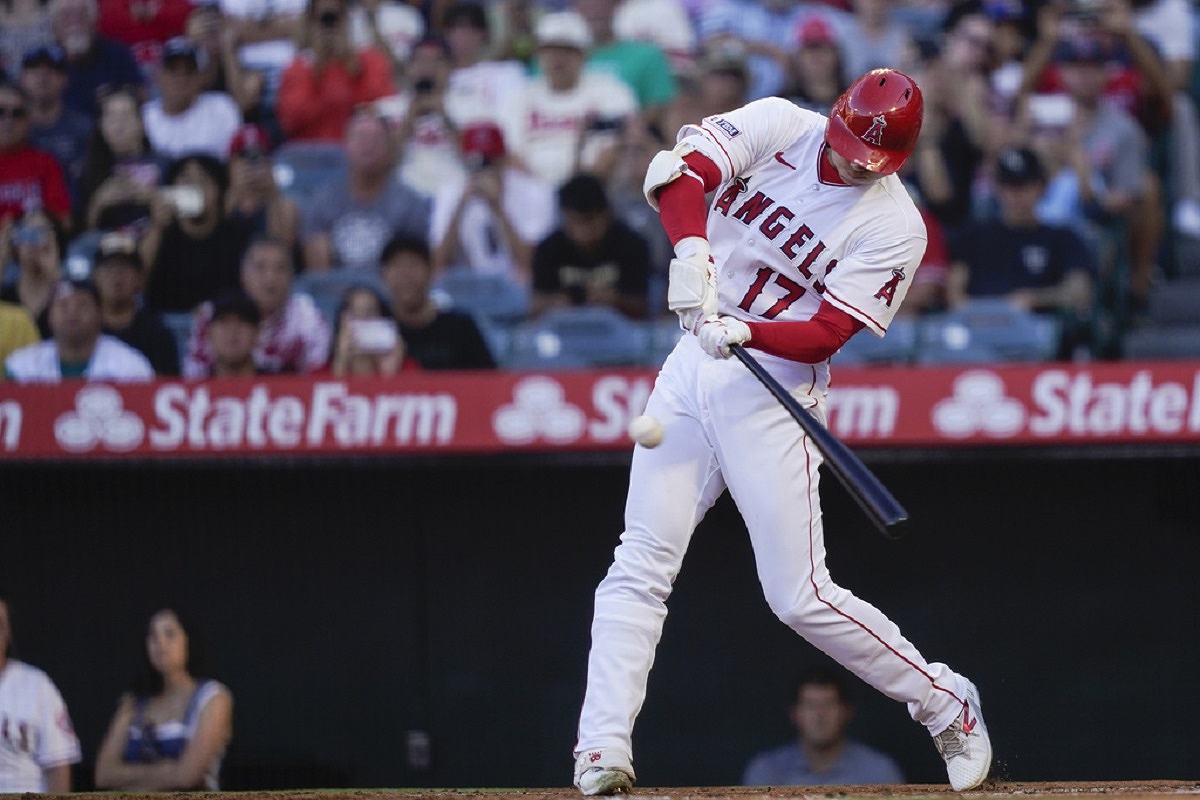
<point x="490" y="222"/>
<point x="183" y="119"/>
<point x="232" y="336"/>
<point x="61" y="131"/>
<point x="254" y="201"/>
<point x="1036" y="266"/>
<point x="119" y="279"/>
<point x="77" y="349"/>
<point x="572" y="119"/>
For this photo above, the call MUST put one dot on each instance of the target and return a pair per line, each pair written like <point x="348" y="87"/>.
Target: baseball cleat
<point x="965" y="745"/>
<point x="603" y="772"/>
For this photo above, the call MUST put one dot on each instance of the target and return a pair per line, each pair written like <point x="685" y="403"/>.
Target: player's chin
<point x="861" y="177"/>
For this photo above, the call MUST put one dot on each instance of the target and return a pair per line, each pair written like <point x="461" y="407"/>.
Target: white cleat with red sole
<point x="965" y="745"/>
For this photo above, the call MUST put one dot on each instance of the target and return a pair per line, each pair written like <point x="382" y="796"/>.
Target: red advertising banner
<point x="583" y="411"/>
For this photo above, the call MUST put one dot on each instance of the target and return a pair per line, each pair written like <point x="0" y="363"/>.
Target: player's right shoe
<point x="965" y="745"/>
<point x="603" y="772"/>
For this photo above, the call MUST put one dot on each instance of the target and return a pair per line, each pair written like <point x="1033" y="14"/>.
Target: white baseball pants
<point x="722" y="429"/>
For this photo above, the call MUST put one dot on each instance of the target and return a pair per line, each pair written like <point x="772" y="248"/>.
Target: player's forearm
<point x="808" y="342"/>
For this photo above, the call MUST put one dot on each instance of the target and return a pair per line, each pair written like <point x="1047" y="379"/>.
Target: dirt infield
<point x="1125" y="790"/>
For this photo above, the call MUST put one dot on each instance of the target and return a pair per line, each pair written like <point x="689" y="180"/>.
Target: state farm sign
<point x="586" y="411"/>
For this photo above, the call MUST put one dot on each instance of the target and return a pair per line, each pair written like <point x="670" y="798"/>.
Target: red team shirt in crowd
<point x="31" y="179"/>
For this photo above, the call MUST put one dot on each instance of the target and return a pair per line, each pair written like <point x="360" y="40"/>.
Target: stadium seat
<point x="577" y="337"/>
<point x="302" y="167"/>
<point x="491" y="296"/>
<point x="987" y="330"/>
<point x="1163" y="341"/>
<point x="1176" y="302"/>
<point x="326" y="288"/>
<point x="179" y="323"/>
<point x="662" y="334"/>
<point x="898" y="347"/>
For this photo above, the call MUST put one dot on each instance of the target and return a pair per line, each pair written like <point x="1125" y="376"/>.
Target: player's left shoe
<point x="603" y="772"/>
<point x="965" y="745"/>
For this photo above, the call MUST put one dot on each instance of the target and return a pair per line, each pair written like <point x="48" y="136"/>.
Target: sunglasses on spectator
<point x="16" y="112"/>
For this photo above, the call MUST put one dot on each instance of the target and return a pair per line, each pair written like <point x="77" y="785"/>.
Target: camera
<point x="374" y="336"/>
<point x="188" y="201"/>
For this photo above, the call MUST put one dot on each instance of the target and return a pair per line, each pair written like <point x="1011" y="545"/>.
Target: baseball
<point x="646" y="431"/>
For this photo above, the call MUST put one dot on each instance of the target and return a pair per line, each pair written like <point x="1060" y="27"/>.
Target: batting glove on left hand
<point x="716" y="335"/>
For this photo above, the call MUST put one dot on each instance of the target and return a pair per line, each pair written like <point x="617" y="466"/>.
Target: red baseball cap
<point x="484" y="139"/>
<point x="815" y="31"/>
<point x="250" y="139"/>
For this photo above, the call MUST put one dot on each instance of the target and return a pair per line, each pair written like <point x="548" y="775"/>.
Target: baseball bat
<point x="868" y="491"/>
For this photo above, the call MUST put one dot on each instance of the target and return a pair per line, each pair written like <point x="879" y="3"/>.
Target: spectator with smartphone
<point x="191" y="246"/>
<point x="77" y="348"/>
<point x="293" y="337"/>
<point x="254" y="203"/>
<point x="36" y="242"/>
<point x="593" y="258"/>
<point x="92" y="60"/>
<point x="491" y="221"/>
<point x="570" y="120"/>
<point x="60" y="131"/>
<point x="427" y="136"/>
<point x="171" y="730"/>
<point x="330" y="78"/>
<point x="36" y="736"/>
<point x="30" y="179"/>
<point x="118" y="275"/>
<point x="184" y="119"/>
<point x="232" y="336"/>
<point x="435" y="338"/>
<point x="121" y="173"/>
<point x="366" y="337"/>
<point x="348" y="224"/>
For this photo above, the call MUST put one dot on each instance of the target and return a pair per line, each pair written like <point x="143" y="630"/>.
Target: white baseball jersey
<point x="784" y="240"/>
<point x="35" y="729"/>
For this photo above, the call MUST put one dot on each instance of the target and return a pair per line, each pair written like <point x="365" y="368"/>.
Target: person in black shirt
<point x="118" y="277"/>
<point x="193" y="249"/>
<point x="593" y="258"/>
<point x="436" y="339"/>
<point x="1037" y="267"/>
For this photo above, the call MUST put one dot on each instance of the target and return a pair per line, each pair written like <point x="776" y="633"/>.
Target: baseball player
<point x="810" y="238"/>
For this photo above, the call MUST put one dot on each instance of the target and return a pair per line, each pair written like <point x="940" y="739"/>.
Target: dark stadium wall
<point x="347" y="605"/>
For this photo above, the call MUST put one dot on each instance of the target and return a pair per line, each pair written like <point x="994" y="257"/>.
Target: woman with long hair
<point x="171" y="730"/>
<point x="36" y="242"/>
<point x="120" y="173"/>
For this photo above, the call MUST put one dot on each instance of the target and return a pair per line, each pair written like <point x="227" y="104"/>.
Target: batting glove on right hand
<point x="717" y="334"/>
<point x="692" y="283"/>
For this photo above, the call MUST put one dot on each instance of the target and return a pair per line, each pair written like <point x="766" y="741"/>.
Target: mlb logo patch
<point x="728" y="128"/>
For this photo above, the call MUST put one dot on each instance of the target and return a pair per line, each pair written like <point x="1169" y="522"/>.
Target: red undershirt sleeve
<point x="681" y="206"/>
<point x="808" y="342"/>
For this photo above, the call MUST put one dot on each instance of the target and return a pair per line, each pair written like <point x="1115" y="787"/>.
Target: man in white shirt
<point x="78" y="349"/>
<point x="490" y="221"/>
<point x="183" y="119"/>
<point x="480" y="88"/>
<point x="37" y="743"/>
<point x="571" y="120"/>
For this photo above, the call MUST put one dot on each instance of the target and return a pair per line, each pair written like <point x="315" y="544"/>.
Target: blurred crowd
<point x="238" y="187"/>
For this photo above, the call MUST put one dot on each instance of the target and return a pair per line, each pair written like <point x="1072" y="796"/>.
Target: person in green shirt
<point x="642" y="65"/>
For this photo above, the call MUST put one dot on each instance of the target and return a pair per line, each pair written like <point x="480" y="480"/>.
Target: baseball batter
<point x="809" y="239"/>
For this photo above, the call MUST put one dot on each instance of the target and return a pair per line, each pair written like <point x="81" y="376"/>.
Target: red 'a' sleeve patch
<point x="887" y="292"/>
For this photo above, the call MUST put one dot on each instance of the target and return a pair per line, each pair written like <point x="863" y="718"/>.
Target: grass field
<point x="1125" y="790"/>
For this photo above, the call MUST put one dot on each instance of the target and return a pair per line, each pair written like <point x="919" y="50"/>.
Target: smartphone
<point x="1051" y="110"/>
<point x="187" y="200"/>
<point x="374" y="336"/>
<point x="29" y="235"/>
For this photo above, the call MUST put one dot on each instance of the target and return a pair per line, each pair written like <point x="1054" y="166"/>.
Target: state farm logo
<point x="539" y="411"/>
<point x="99" y="418"/>
<point x="978" y="405"/>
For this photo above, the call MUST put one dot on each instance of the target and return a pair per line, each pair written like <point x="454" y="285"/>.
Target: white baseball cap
<point x="563" y="29"/>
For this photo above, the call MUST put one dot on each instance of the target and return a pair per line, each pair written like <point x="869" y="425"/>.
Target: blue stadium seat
<point x="179" y="323"/>
<point x="663" y="335"/>
<point x="1176" y="302"/>
<point x="1163" y="341"/>
<point x="302" y="167"/>
<point x="491" y="296"/>
<point x="577" y="337"/>
<point x="898" y="347"/>
<point x="987" y="330"/>
<point x="326" y="288"/>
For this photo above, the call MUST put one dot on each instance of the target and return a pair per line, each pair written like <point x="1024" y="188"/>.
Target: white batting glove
<point x="717" y="334"/>
<point x="692" y="284"/>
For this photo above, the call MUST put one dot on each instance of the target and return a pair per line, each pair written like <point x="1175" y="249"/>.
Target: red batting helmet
<point x="876" y="121"/>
